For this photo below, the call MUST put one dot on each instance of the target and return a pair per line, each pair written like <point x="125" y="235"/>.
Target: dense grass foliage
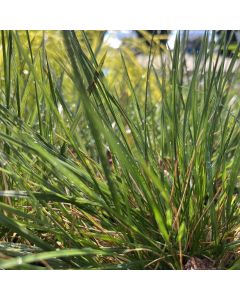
<point x="137" y="170"/>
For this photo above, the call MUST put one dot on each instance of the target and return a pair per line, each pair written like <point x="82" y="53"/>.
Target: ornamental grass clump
<point x="136" y="175"/>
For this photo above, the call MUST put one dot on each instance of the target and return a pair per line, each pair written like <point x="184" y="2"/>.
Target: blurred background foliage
<point x="134" y="47"/>
<point x="120" y="59"/>
<point x="134" y="50"/>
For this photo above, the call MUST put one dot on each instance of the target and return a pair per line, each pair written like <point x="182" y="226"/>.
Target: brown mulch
<point x="195" y="263"/>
